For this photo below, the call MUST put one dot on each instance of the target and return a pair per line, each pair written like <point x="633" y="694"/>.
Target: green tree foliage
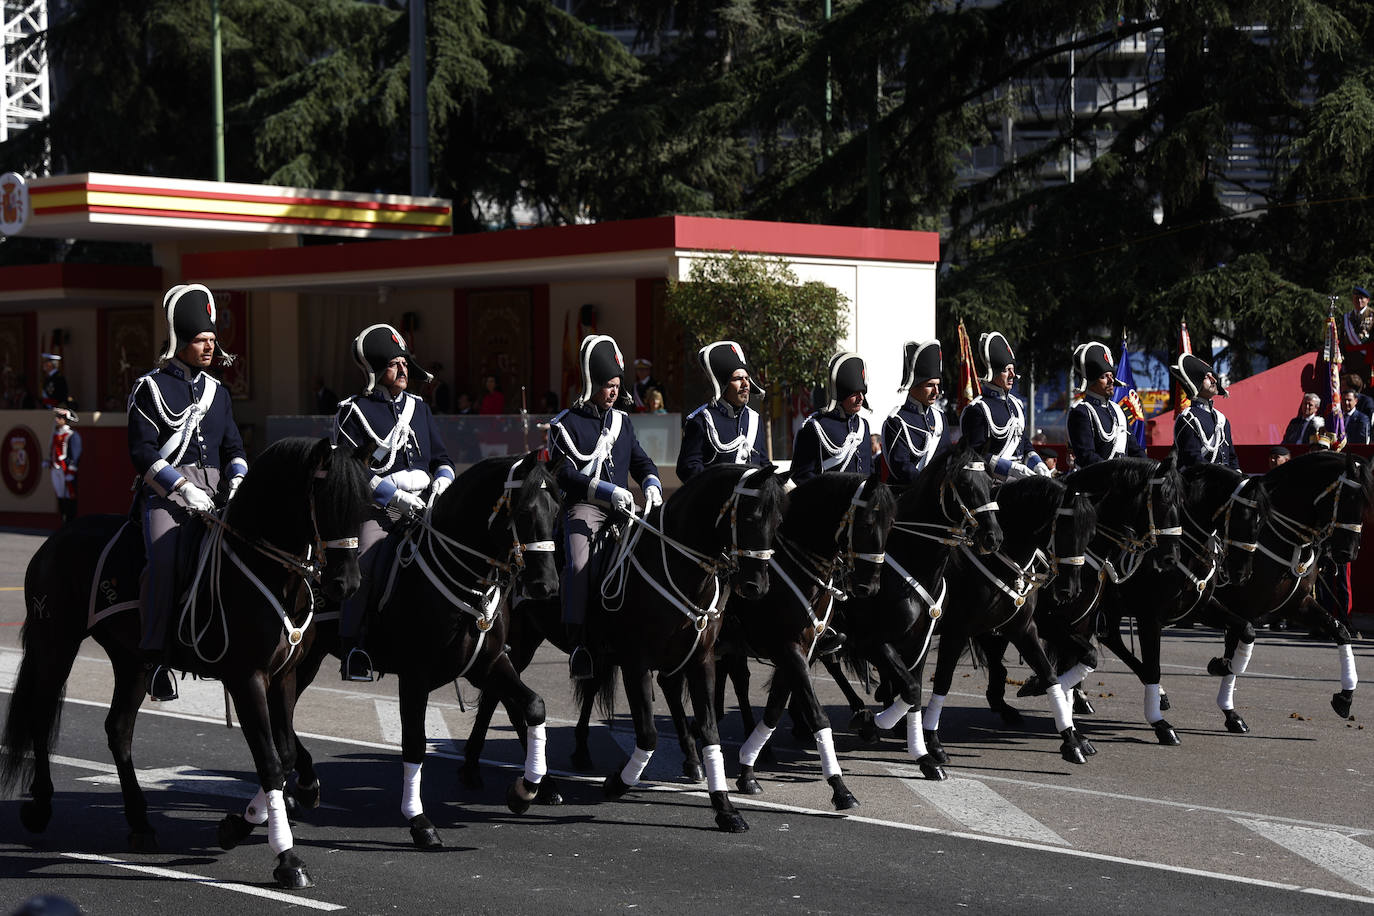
<point x="788" y="329"/>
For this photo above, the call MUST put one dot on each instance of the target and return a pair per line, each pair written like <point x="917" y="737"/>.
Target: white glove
<point x="196" y="498"/>
<point x="653" y="496"/>
<point x="407" y="503"/>
<point x="233" y="486"/>
<point x="1043" y="470"/>
<point x="622" y="501"/>
<point x="440" y="485"/>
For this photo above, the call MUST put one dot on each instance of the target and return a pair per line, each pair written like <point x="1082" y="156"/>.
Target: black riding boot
<point x="160" y="679"/>
<point x="579" y="660"/>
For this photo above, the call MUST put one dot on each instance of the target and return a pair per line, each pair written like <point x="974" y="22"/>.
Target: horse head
<point x="1235" y="508"/>
<point x="754" y="513"/>
<point x="1163" y="518"/>
<point x="338" y="492"/>
<point x="531" y="515"/>
<point x="1075" y="523"/>
<point x="868" y="522"/>
<point x="967" y="501"/>
<point x="1352" y="504"/>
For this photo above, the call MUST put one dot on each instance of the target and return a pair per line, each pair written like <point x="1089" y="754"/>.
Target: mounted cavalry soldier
<point x="408" y="460"/>
<point x="1202" y="434"/>
<point x="186" y="447"/>
<point x="994" y="423"/>
<point x="836" y="438"/>
<point x="1098" y="429"/>
<point x="915" y="432"/>
<point x="724" y="430"/>
<point x="594" y="452"/>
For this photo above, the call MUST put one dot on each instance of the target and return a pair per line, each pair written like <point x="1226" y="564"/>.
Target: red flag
<point x="969" y="387"/>
<point x="1185" y="345"/>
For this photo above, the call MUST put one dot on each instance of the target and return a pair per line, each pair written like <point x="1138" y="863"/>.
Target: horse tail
<point x="600" y="687"/>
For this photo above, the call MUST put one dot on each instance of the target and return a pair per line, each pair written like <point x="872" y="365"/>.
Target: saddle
<point x="115" y="584"/>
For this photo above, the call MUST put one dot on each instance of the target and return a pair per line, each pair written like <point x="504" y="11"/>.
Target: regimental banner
<point x="20" y="460"/>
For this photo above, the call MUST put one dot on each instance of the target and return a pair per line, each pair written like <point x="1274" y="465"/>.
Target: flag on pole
<point x="969" y="387"/>
<point x="1126" y="396"/>
<point x="1331" y="355"/>
<point x="1185" y="345"/>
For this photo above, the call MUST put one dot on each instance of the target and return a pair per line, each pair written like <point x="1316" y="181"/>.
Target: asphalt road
<point x="1279" y="820"/>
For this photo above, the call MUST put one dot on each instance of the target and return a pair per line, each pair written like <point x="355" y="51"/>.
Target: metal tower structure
<point x="25" y="65"/>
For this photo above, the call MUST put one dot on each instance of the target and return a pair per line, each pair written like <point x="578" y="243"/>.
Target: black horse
<point x="443" y="615"/>
<point x="1222" y="511"/>
<point x="950" y="505"/>
<point x="247" y="622"/>
<point x="1317" y="502"/>
<point x="830" y="547"/>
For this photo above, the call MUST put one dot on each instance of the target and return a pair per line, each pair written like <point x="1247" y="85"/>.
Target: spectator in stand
<point x="1278" y="455"/>
<point x="1359" y="321"/>
<point x="549" y="406"/>
<point x="1356" y="423"/>
<point x="438" y="393"/>
<point x="643" y="384"/>
<point x="493" y="401"/>
<point x="464" y="405"/>
<point x="1363" y="402"/>
<point x="1303" y="428"/>
<point x="653" y="402"/>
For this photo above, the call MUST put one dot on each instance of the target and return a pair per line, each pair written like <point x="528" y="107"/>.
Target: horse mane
<point x="927" y="486"/>
<point x="284" y="473"/>
<point x="1314" y="466"/>
<point x="714" y="476"/>
<point x="1027" y="505"/>
<point x="474" y="493"/>
<point x="815" y="506"/>
<point x="1127" y="477"/>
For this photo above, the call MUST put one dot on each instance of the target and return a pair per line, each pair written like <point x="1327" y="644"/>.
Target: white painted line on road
<point x="1337" y="853"/>
<point x="208" y="882"/>
<point x="183" y="779"/>
<point x="389" y="720"/>
<point x="975" y="806"/>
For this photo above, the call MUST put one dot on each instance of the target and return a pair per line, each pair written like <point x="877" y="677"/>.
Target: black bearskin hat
<point x="846" y="375"/>
<point x="1091" y="361"/>
<point x="376" y="347"/>
<point x="920" y="363"/>
<point x="996" y="353"/>
<point x="600" y="360"/>
<point x="720" y="360"/>
<point x="190" y="310"/>
<point x="1190" y="372"/>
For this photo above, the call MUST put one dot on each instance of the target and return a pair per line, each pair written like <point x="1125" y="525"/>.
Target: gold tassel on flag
<point x="969" y="386"/>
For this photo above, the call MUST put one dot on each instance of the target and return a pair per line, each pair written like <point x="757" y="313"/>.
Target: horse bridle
<point x="1133" y="549"/>
<point x="742" y="489"/>
<point x="1308" y="536"/>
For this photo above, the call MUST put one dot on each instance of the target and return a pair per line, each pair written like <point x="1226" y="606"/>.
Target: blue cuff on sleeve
<point x="238" y="467"/>
<point x="1033" y="460"/>
<point x="167" y="478"/>
<point x="604" y="489"/>
<point x="1000" y="467"/>
<point x="651" y="481"/>
<point x="444" y="471"/>
<point x="383" y="492"/>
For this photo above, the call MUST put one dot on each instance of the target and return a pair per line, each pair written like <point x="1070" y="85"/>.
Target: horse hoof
<point x="549" y="794"/>
<point x="614" y="786"/>
<point x="1219" y="667"/>
<point x="142" y="841"/>
<point x="520" y="796"/>
<point x="1165" y="733"/>
<point x="844" y="800"/>
<point x="748" y="786"/>
<point x="1082" y="706"/>
<point x="233" y="830"/>
<point x="423" y="834"/>
<point x="1341" y="703"/>
<point x="1085" y="745"/>
<point x="1034" y="686"/>
<point x="934" y="747"/>
<point x="290" y="872"/>
<point x="307" y="796"/>
<point x="864" y="726"/>
<point x="693" y="771"/>
<point x="582" y="761"/>
<point x="1234" y="723"/>
<point x="1071" y="752"/>
<point x="1164" y="702"/>
<point x="930" y="769"/>
<point x="35" y="816"/>
<point x="1010" y="714"/>
<point x="470" y="777"/>
<point x="730" y="822"/>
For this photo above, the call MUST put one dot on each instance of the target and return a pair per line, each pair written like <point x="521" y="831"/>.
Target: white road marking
<point x="1338" y="853"/>
<point x="972" y="804"/>
<point x="389" y="720"/>
<point x="208" y="882"/>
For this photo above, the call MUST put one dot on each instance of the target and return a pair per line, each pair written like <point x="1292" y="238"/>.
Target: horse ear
<point x="321" y="452"/>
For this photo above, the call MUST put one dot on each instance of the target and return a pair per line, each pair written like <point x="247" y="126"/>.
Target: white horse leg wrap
<point x="1063" y="712"/>
<point x="1241" y="661"/>
<point x="1226" y="693"/>
<point x="915" y="738"/>
<point x="278" y="827"/>
<point x="1069" y="679"/>
<point x="1349" y="679"/>
<point x="1152" y="711"/>
<point x="410" y="791"/>
<point x="634" y="768"/>
<point x="256" y="812"/>
<point x="753" y="745"/>
<point x="715" y="768"/>
<point x="825" y="745"/>
<point x="888" y="717"/>
<point x="931" y="720"/>
<point x="535" y="766"/>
